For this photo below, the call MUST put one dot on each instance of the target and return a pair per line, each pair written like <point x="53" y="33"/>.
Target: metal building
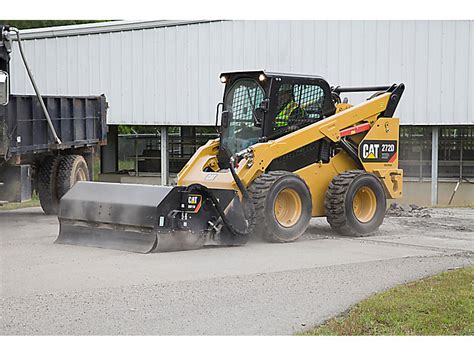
<point x="166" y="73"/>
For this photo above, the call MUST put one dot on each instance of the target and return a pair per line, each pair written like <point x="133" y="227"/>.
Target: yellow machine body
<point x="318" y="175"/>
<point x="276" y="164"/>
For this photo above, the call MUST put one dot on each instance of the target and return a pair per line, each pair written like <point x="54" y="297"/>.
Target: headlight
<point x="262" y="77"/>
<point x="223" y="79"/>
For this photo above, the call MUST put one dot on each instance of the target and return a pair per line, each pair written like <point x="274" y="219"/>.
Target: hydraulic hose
<point x="237" y="180"/>
<point x="249" y="211"/>
<point x="33" y="83"/>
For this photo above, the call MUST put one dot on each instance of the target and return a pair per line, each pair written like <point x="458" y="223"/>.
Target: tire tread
<point x="46" y="184"/>
<point x="65" y="170"/>
<point x="334" y="201"/>
<point x="258" y="192"/>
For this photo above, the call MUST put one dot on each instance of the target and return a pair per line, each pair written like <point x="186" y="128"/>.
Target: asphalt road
<point x="261" y="288"/>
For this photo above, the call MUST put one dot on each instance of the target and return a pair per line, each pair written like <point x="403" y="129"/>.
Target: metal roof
<point x="101" y="27"/>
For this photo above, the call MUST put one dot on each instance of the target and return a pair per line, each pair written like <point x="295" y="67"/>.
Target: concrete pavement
<point x="256" y="289"/>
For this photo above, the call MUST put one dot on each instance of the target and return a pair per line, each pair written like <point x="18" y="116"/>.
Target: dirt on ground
<point x="259" y="288"/>
<point x="412" y="210"/>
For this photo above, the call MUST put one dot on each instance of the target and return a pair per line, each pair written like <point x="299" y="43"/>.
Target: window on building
<point x="455" y="152"/>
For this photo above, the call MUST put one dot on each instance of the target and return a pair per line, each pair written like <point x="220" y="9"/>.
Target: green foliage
<point x="439" y="305"/>
<point x="211" y="130"/>
<point x="34" y="202"/>
<point x="25" y="24"/>
<point x="123" y="129"/>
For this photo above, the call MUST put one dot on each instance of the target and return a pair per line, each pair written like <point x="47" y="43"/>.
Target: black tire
<point x="72" y="168"/>
<point x="264" y="192"/>
<point x="46" y="184"/>
<point x="339" y="203"/>
<point x="234" y="215"/>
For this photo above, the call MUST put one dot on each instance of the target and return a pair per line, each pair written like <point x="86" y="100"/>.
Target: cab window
<point x="298" y="105"/>
<point x="241" y="101"/>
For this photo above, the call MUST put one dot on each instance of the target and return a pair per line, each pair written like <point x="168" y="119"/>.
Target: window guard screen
<point x="298" y="105"/>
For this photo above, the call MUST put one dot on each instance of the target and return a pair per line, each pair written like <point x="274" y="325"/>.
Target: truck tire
<point x="283" y="205"/>
<point x="355" y="203"/>
<point x="72" y="168"/>
<point x="46" y="184"/>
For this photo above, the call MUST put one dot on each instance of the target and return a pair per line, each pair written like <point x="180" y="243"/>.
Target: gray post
<point x="164" y="156"/>
<point x="434" y="165"/>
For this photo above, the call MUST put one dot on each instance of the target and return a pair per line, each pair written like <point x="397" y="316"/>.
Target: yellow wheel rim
<point x="364" y="204"/>
<point x="288" y="207"/>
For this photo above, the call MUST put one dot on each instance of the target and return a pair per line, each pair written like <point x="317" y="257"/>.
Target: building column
<point x="188" y="136"/>
<point x="164" y="156"/>
<point x="434" y="165"/>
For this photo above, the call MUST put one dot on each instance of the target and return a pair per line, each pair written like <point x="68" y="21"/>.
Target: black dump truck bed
<point x="79" y="122"/>
<point x="47" y="143"/>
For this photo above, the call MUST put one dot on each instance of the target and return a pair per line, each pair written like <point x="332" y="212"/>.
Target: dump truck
<point x="289" y="149"/>
<point x="47" y="143"/>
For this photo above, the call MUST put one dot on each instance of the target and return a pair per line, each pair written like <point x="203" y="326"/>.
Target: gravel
<point x="50" y="289"/>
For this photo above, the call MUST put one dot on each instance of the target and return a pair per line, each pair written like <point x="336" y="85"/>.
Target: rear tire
<point x="46" y="185"/>
<point x="355" y="203"/>
<point x="283" y="205"/>
<point x="72" y="168"/>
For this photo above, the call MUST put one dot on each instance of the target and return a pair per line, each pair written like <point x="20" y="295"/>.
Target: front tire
<point x="283" y="205"/>
<point x="355" y="203"/>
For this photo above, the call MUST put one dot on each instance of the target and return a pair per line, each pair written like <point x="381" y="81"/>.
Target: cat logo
<point x="370" y="151"/>
<point x="193" y="203"/>
<point x="211" y="176"/>
<point x="378" y="151"/>
<point x="193" y="199"/>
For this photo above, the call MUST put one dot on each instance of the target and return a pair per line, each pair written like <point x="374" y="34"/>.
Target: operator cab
<point x="260" y="106"/>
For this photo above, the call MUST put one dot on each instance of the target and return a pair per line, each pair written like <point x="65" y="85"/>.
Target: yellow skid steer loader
<point x="288" y="150"/>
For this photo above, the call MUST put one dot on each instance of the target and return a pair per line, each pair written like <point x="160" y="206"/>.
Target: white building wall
<point x="170" y="75"/>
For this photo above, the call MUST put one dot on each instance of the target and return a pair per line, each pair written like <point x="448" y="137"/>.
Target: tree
<point x="24" y="24"/>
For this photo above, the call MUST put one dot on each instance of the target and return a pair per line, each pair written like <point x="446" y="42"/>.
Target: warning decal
<point x="378" y="151"/>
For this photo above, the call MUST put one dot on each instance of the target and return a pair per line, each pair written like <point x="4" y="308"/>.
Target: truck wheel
<point x="355" y="203"/>
<point x="72" y="168"/>
<point x="282" y="203"/>
<point x="46" y="184"/>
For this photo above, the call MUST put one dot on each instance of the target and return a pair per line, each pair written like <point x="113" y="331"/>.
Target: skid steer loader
<point x="288" y="150"/>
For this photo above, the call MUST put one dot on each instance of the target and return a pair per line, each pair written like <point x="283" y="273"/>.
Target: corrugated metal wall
<point x="170" y="75"/>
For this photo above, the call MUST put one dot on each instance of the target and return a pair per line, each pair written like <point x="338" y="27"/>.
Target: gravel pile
<point x="397" y="210"/>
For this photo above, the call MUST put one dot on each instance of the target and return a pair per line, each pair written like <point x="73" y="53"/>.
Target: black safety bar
<point x="339" y="89"/>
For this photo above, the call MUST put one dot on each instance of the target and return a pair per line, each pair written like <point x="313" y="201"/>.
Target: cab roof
<point x="271" y="74"/>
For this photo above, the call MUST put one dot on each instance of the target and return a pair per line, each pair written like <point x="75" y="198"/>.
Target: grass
<point x="34" y="202"/>
<point x="439" y="305"/>
<point x="126" y="164"/>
